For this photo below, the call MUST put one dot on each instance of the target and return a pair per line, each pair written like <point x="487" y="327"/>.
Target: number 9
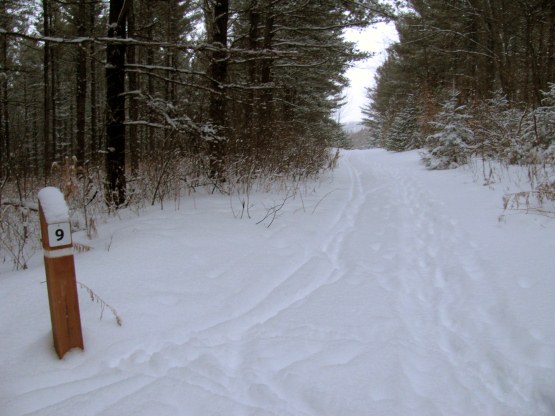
<point x="59" y="234"/>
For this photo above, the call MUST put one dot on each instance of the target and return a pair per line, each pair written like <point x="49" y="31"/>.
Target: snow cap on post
<point x="53" y="205"/>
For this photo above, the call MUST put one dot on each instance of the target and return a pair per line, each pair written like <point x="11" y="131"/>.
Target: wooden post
<point x="60" y="271"/>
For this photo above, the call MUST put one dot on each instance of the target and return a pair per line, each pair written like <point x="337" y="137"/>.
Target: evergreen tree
<point x="539" y="130"/>
<point x="479" y="48"/>
<point x="404" y="133"/>
<point x="453" y="141"/>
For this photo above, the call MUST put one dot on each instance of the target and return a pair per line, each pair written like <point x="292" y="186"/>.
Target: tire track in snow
<point x="321" y="267"/>
<point x="231" y="337"/>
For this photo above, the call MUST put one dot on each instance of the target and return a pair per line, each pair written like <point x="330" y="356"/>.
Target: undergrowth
<point x="503" y="138"/>
<point x="165" y="178"/>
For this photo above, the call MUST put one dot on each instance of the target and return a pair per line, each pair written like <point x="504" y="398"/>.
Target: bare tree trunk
<point x="551" y="45"/>
<point x="170" y="59"/>
<point x="133" y="86"/>
<point x="47" y="91"/>
<point x="81" y="85"/>
<point x="96" y="144"/>
<point x="4" y="113"/>
<point x="491" y="10"/>
<point x="115" y="99"/>
<point x="54" y="88"/>
<point x="252" y="116"/>
<point x="266" y="74"/>
<point x="151" y="138"/>
<point x="218" y="74"/>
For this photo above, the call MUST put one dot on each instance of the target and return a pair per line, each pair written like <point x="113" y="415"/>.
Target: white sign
<point x="59" y="234"/>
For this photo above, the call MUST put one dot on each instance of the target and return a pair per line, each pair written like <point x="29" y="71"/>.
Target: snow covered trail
<point x="370" y="296"/>
<point x="449" y="328"/>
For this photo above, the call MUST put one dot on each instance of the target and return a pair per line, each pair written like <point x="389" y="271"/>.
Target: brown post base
<point x="64" y="303"/>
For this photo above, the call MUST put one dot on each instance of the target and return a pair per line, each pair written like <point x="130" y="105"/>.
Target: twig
<point x="273" y="211"/>
<point x="20" y="204"/>
<point x="321" y="199"/>
<point x="95" y="298"/>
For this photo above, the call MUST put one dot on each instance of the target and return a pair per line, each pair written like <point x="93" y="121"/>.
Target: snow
<point x="385" y="289"/>
<point x="53" y="205"/>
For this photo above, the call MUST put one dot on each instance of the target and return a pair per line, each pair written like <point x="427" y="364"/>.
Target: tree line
<point x="144" y="88"/>
<point x="466" y="78"/>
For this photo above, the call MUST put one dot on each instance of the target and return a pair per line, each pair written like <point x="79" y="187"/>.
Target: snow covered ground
<point x="384" y="290"/>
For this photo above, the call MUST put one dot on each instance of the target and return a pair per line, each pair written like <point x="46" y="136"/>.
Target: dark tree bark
<point x="551" y="45"/>
<point x="96" y="144"/>
<point x="151" y="132"/>
<point x="115" y="100"/>
<point x="47" y="91"/>
<point x="4" y="114"/>
<point x="81" y="84"/>
<point x="133" y="86"/>
<point x="217" y="72"/>
<point x="266" y="73"/>
<point x="252" y="115"/>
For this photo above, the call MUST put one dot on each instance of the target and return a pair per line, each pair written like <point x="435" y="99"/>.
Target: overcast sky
<point x="375" y="40"/>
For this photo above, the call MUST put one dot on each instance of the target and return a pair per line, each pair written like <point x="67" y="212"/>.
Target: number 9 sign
<point x="59" y="234"/>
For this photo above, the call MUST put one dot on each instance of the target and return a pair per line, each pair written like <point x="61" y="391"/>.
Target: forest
<point x="136" y="86"/>
<point x="126" y="103"/>
<point x="470" y="78"/>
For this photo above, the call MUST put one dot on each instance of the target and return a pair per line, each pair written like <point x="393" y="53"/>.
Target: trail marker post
<point x="60" y="271"/>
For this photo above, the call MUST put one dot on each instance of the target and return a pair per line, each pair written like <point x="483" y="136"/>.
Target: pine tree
<point x="453" y="141"/>
<point x="539" y="130"/>
<point x="404" y="133"/>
